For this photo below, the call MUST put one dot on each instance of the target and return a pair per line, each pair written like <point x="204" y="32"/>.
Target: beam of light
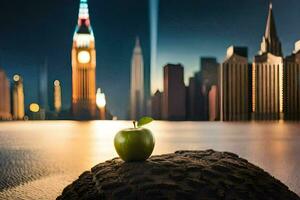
<point x="153" y="17"/>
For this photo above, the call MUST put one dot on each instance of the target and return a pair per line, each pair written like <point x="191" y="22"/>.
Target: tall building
<point x="137" y="93"/>
<point x="5" y="113"/>
<point x="292" y="84"/>
<point x="200" y="102"/>
<point x="57" y="96"/>
<point x="18" y="98"/>
<point x="210" y="77"/>
<point x="84" y="67"/>
<point x="267" y="75"/>
<point x="236" y="85"/>
<point x="191" y="100"/>
<point x="156" y="103"/>
<point x="43" y="91"/>
<point x="43" y="87"/>
<point x="213" y="99"/>
<point x="174" y="96"/>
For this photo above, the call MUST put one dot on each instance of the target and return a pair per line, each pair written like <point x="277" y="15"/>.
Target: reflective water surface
<point x="38" y="159"/>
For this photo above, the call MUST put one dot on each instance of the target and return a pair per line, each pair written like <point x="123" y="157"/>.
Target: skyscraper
<point x="18" y="98"/>
<point x="213" y="99"/>
<point x="5" y="113"/>
<point x="137" y="98"/>
<point x="156" y="103"/>
<point x="174" y="96"/>
<point x="210" y="77"/>
<point x="236" y="82"/>
<point x="43" y="90"/>
<point x="84" y="67"/>
<point x="292" y="84"/>
<point x="191" y="100"/>
<point x="57" y="96"/>
<point x="267" y="75"/>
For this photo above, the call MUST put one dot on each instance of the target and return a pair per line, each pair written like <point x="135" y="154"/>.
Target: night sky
<point x="38" y="30"/>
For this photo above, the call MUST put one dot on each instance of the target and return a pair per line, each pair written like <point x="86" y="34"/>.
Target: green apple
<point x="135" y="144"/>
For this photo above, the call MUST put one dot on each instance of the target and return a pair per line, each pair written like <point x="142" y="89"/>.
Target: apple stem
<point x="134" y="124"/>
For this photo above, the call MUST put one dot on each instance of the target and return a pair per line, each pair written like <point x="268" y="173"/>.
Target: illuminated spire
<point x="271" y="43"/>
<point x="137" y="90"/>
<point x="83" y="10"/>
<point x="137" y="48"/>
<point x="270" y="28"/>
<point x="84" y="24"/>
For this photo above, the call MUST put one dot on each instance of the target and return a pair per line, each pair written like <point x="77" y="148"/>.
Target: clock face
<point x="84" y="57"/>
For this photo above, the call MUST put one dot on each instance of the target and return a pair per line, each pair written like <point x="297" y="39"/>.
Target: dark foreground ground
<point x="208" y="175"/>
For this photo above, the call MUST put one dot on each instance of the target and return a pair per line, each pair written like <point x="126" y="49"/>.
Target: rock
<point x="206" y="175"/>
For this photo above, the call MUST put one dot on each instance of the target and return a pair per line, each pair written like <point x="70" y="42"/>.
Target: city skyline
<point x="116" y="103"/>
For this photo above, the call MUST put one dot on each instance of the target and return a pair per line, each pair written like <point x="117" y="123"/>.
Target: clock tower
<point x="83" y="67"/>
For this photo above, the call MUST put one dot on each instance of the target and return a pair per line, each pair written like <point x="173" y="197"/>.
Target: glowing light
<point x="154" y="6"/>
<point x="34" y="107"/>
<point x="83" y="10"/>
<point x="100" y="99"/>
<point x="16" y="77"/>
<point x="57" y="96"/>
<point x="84" y="57"/>
<point x="253" y="88"/>
<point x="83" y="40"/>
<point x="281" y="88"/>
<point x="297" y="47"/>
<point x="56" y="83"/>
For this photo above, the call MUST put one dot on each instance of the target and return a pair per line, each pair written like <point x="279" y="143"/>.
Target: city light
<point x="34" y="107"/>
<point x="57" y="96"/>
<point x="100" y="99"/>
<point x="16" y="78"/>
<point x="84" y="57"/>
<point x="56" y="83"/>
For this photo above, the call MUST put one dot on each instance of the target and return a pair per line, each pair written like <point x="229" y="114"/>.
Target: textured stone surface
<point x="206" y="175"/>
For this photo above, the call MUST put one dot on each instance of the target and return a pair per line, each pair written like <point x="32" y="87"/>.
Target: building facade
<point x="5" y="109"/>
<point x="191" y="112"/>
<point x="236" y="85"/>
<point x="18" y="98"/>
<point x="292" y="85"/>
<point x="43" y="90"/>
<point x="267" y="75"/>
<point x="174" y="96"/>
<point x="213" y="102"/>
<point x="210" y="72"/>
<point x="137" y="93"/>
<point x="156" y="103"/>
<point x="84" y="67"/>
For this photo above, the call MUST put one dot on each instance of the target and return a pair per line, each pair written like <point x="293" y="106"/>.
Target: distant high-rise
<point x="5" y="113"/>
<point x="270" y="42"/>
<point x="18" y="98"/>
<point x="137" y="98"/>
<point x="210" y="77"/>
<point x="191" y="99"/>
<point x="43" y="87"/>
<point x="43" y="91"/>
<point x="84" y="67"/>
<point x="57" y="96"/>
<point x="292" y="84"/>
<point x="267" y="75"/>
<point x="236" y="82"/>
<point x="213" y="99"/>
<point x="174" y="95"/>
<point x="156" y="103"/>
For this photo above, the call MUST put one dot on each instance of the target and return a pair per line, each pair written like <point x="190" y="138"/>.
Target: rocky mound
<point x="206" y="175"/>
